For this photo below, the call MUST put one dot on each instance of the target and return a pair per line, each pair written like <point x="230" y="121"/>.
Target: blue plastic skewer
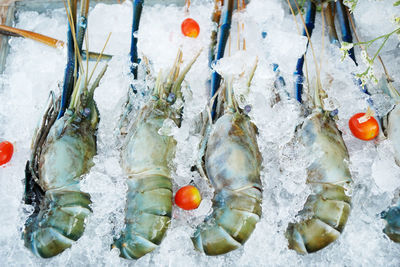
<point x="279" y="80"/>
<point x="333" y="38"/>
<point x="137" y="11"/>
<point x="223" y="38"/>
<point x="346" y="36"/>
<point x="82" y="25"/>
<point x="310" y="20"/>
<point x="345" y="27"/>
<point x="68" y="83"/>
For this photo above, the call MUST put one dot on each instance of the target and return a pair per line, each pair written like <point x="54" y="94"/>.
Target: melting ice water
<point x="33" y="69"/>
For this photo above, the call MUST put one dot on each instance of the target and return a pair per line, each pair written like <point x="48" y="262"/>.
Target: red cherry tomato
<point x="6" y="152"/>
<point x="190" y="28"/>
<point x="364" y="130"/>
<point x="188" y="197"/>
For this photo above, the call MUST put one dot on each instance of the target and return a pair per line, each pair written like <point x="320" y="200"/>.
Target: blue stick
<point x="223" y="38"/>
<point x="345" y="27"/>
<point x="279" y="80"/>
<point x="334" y="40"/>
<point x="310" y="20"/>
<point x="330" y="21"/>
<point x="68" y="84"/>
<point x="82" y="25"/>
<point x="137" y="11"/>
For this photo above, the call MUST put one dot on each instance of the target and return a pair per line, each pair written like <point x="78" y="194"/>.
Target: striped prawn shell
<point x="233" y="163"/>
<point x="326" y="210"/>
<point x="66" y="156"/>
<point x="145" y="159"/>
<point x="392" y="215"/>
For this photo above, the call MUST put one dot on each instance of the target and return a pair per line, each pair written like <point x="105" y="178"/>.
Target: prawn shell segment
<point x="145" y="158"/>
<point x="326" y="210"/>
<point x="233" y="164"/>
<point x="393" y="131"/>
<point x="145" y="150"/>
<point x="59" y="224"/>
<point x="66" y="156"/>
<point x="60" y="219"/>
<point x="392" y="218"/>
<point x="232" y="159"/>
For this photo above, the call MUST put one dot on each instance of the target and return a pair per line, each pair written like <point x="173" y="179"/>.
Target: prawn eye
<point x="188" y="197"/>
<point x="334" y="112"/>
<point x="247" y="109"/>
<point x="69" y="112"/>
<point x="171" y="97"/>
<point x="86" y="112"/>
<point x="190" y="28"/>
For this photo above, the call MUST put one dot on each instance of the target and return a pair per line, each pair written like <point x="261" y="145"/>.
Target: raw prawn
<point x="326" y="210"/>
<point x="229" y="158"/>
<point x="389" y="123"/>
<point x="62" y="152"/>
<point x="391" y="130"/>
<point x="232" y="163"/>
<point x="145" y="158"/>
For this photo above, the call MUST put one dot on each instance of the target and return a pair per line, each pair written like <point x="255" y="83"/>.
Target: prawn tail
<point x="392" y="218"/>
<point x="325" y="213"/>
<point x="148" y="215"/>
<point x="310" y="235"/>
<point x="54" y="228"/>
<point x="233" y="220"/>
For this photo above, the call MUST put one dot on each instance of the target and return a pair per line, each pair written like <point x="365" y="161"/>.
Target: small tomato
<point x="6" y="152"/>
<point x="188" y="197"/>
<point x="190" y="28"/>
<point x="363" y="126"/>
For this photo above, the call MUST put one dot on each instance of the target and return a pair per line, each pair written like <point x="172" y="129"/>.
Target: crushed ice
<point x="33" y="69"/>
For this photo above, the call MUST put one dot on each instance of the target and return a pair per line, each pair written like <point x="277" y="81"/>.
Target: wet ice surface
<point x="33" y="69"/>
